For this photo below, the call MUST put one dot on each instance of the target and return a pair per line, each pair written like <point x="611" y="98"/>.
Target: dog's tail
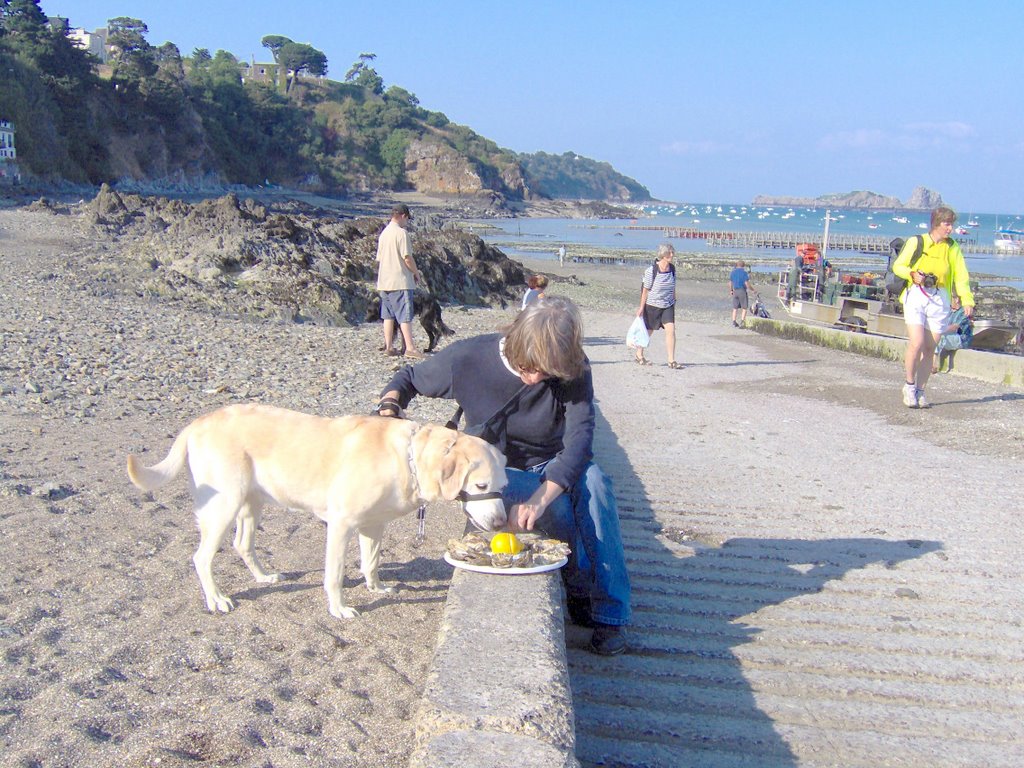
<point x="151" y="478"/>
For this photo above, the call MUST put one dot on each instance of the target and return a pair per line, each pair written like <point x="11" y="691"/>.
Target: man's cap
<point x="401" y="210"/>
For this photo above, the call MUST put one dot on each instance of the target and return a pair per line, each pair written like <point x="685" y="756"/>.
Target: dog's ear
<point x="454" y="468"/>
<point x="451" y="437"/>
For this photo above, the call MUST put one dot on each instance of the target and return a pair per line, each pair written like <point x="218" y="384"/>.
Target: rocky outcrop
<point x="924" y="199"/>
<point x="920" y="199"/>
<point x="860" y="199"/>
<point x="514" y="181"/>
<point x="241" y="257"/>
<point x="435" y="168"/>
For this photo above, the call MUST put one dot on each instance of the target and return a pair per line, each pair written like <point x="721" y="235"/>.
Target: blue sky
<point x="698" y="101"/>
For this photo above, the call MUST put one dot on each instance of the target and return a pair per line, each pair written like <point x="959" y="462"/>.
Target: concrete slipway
<point x="821" y="576"/>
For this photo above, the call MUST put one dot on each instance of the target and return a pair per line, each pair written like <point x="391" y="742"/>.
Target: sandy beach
<point x="110" y="656"/>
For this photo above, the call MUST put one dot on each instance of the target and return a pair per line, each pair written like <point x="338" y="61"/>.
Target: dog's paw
<point x="382" y="589"/>
<point x="344" y="612"/>
<point x="268" y="578"/>
<point x="219" y="603"/>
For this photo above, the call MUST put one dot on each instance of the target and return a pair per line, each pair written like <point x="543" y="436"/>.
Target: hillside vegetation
<point x="153" y="114"/>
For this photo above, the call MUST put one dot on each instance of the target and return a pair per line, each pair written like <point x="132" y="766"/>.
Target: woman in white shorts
<point x="926" y="298"/>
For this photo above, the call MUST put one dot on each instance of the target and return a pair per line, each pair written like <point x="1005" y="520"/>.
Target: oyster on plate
<point x="557" y="549"/>
<point x="471" y="548"/>
<point x="475" y="548"/>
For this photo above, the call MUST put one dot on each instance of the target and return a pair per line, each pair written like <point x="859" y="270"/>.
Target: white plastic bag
<point x="637" y="335"/>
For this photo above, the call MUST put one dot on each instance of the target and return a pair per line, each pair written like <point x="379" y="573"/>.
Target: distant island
<point x="921" y="199"/>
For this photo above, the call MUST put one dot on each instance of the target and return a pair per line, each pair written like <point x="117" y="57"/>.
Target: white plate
<point x="505" y="571"/>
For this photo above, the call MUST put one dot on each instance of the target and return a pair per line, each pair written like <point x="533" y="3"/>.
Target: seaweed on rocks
<point x="296" y="264"/>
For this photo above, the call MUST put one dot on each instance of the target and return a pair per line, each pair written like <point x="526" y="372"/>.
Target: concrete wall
<point x="498" y="690"/>
<point x="993" y="367"/>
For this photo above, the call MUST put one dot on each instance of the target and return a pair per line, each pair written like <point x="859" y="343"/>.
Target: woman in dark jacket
<point x="536" y="381"/>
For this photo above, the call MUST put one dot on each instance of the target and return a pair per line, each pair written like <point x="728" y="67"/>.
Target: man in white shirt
<point x="397" y="276"/>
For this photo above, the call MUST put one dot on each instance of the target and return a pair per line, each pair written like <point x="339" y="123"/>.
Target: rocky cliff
<point x="435" y="168"/>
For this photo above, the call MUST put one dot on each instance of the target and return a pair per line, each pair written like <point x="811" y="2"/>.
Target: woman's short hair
<point x="666" y="248"/>
<point x="943" y="215"/>
<point x="547" y="336"/>
<point x="537" y="281"/>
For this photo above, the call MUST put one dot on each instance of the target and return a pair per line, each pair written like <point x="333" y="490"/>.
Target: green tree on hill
<point x="254" y="132"/>
<point x="296" y="58"/>
<point x="359" y="66"/>
<point x="274" y="43"/>
<point x="132" y="57"/>
<point x="365" y="76"/>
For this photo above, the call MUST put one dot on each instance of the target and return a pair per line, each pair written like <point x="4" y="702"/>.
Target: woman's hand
<point x="524" y="516"/>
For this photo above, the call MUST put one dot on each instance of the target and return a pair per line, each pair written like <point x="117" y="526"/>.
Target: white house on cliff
<point x="94" y="42"/>
<point x="8" y="154"/>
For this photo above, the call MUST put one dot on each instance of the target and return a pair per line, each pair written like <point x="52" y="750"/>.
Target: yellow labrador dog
<point x="356" y="473"/>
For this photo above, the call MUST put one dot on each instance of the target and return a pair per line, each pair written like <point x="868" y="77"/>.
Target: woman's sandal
<point x="676" y="366"/>
<point x="641" y="360"/>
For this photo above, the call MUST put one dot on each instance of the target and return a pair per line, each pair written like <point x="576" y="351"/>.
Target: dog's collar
<point x="412" y="462"/>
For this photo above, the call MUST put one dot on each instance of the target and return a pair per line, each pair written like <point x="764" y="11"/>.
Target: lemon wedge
<point x="506" y="543"/>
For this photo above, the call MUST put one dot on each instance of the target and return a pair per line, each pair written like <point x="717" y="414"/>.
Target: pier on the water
<point x="785" y="240"/>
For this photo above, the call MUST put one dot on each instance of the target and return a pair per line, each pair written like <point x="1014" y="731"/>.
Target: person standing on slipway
<point x="658" y="303"/>
<point x="397" y="276"/>
<point x="926" y="299"/>
<point x="739" y="284"/>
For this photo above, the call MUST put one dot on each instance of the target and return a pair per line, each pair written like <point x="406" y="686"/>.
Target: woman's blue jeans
<point x="586" y="517"/>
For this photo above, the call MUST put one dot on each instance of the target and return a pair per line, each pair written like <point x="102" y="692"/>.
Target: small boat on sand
<point x="811" y="291"/>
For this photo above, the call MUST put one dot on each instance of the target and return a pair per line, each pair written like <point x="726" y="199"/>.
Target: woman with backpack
<point x="932" y="267"/>
<point x="658" y="303"/>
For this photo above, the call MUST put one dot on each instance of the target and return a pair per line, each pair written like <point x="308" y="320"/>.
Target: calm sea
<point x="611" y="233"/>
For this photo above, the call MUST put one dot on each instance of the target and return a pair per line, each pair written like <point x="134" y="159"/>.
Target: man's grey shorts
<point x="739" y="299"/>
<point x="396" y="305"/>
